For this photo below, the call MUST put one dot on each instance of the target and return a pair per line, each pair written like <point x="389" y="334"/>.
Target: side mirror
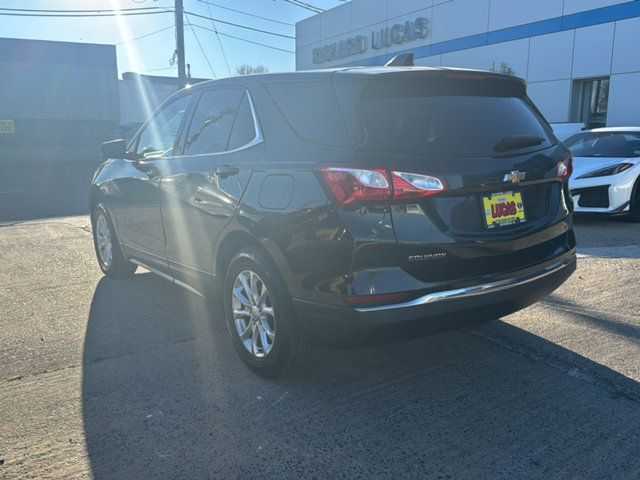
<point x="113" y="149"/>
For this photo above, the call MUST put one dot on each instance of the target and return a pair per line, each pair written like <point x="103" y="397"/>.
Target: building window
<point x="591" y="101"/>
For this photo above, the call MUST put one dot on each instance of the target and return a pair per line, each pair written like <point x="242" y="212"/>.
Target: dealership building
<point x="580" y="58"/>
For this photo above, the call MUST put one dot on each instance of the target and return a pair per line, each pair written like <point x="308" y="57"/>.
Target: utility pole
<point x="179" y="9"/>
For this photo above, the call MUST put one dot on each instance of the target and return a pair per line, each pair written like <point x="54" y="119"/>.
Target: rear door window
<point x="419" y="117"/>
<point x="212" y="121"/>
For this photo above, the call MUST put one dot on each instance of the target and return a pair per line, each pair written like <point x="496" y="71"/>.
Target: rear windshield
<point x="442" y="118"/>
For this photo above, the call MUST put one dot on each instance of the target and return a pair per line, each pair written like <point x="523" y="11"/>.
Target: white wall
<point x="576" y="6"/>
<point x="551" y="56"/>
<point x="553" y="98"/>
<point x="624" y="101"/>
<point x="592" y="51"/>
<point x="459" y="19"/>
<point x="512" y="54"/>
<point x="509" y="13"/>
<point x="626" y="54"/>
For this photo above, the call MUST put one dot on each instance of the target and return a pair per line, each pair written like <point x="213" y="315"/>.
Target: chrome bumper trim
<point x="481" y="289"/>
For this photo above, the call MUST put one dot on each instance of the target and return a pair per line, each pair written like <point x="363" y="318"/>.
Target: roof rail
<point x="402" y="60"/>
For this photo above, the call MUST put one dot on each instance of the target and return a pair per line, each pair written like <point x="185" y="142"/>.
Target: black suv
<point x="327" y="203"/>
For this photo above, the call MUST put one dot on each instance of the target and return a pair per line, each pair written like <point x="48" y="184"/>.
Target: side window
<point x="212" y="122"/>
<point x="244" y="129"/>
<point x="312" y="110"/>
<point x="158" y="137"/>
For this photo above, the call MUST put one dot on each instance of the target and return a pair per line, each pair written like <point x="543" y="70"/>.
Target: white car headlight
<point x="605" y="172"/>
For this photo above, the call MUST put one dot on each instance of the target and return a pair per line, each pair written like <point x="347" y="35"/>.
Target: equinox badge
<point x="514" y="176"/>
<point x="427" y="256"/>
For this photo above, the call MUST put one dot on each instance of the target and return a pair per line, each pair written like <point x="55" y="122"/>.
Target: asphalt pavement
<point x="136" y="379"/>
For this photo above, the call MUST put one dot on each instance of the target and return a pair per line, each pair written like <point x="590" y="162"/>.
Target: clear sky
<point x="152" y="54"/>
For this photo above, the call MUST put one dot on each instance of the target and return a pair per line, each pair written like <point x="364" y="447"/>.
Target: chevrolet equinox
<point x="331" y="202"/>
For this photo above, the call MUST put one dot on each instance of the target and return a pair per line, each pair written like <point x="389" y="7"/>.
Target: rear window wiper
<point x="517" y="141"/>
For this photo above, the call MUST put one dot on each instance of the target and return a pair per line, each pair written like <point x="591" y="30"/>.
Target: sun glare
<point x="132" y="57"/>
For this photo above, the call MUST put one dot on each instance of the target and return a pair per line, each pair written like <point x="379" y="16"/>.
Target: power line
<point x="158" y="69"/>
<point x="244" y="39"/>
<point x="201" y="49"/>
<point x="306" y="6"/>
<point x="19" y="12"/>
<point x="224" y="55"/>
<point x="81" y="15"/>
<point x="246" y="13"/>
<point x="146" y="35"/>
<point x="95" y="10"/>
<point x="309" y="5"/>
<point x="240" y="26"/>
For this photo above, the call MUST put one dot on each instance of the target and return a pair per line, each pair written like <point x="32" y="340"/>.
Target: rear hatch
<point x="495" y="154"/>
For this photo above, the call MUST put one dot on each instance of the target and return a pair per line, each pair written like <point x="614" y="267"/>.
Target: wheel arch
<point x="634" y="201"/>
<point x="238" y="236"/>
<point x="95" y="197"/>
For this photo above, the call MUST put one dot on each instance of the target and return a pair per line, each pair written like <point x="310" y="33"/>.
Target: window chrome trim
<point x="257" y="140"/>
<point x="475" y="290"/>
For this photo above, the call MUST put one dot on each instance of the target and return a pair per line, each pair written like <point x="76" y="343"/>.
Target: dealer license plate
<point x="504" y="208"/>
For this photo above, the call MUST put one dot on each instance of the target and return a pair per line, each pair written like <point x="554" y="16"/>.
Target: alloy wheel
<point x="103" y="240"/>
<point x="253" y="313"/>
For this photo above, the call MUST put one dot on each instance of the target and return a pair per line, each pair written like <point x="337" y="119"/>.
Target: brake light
<point x="565" y="167"/>
<point x="350" y="186"/>
<point x="358" y="186"/>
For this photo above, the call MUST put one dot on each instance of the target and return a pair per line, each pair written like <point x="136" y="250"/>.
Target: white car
<point x="606" y="167"/>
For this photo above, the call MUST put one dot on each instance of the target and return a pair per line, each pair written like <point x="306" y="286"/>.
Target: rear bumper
<point x="442" y="310"/>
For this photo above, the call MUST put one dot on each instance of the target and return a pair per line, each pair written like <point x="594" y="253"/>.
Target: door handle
<point x="225" y="171"/>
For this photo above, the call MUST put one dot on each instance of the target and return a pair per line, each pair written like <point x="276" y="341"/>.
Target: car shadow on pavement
<point x="600" y="320"/>
<point x="605" y="232"/>
<point x="164" y="396"/>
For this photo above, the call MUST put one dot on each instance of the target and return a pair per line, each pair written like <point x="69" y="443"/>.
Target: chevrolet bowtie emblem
<point x="514" y="176"/>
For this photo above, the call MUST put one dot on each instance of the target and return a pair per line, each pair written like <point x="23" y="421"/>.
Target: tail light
<point x="565" y="167"/>
<point x="350" y="186"/>
<point x="355" y="186"/>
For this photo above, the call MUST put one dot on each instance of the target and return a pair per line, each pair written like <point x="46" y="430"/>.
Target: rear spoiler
<point x="412" y="82"/>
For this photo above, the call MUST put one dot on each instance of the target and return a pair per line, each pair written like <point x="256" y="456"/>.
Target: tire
<point x="634" y="207"/>
<point x="108" y="252"/>
<point x="273" y="345"/>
